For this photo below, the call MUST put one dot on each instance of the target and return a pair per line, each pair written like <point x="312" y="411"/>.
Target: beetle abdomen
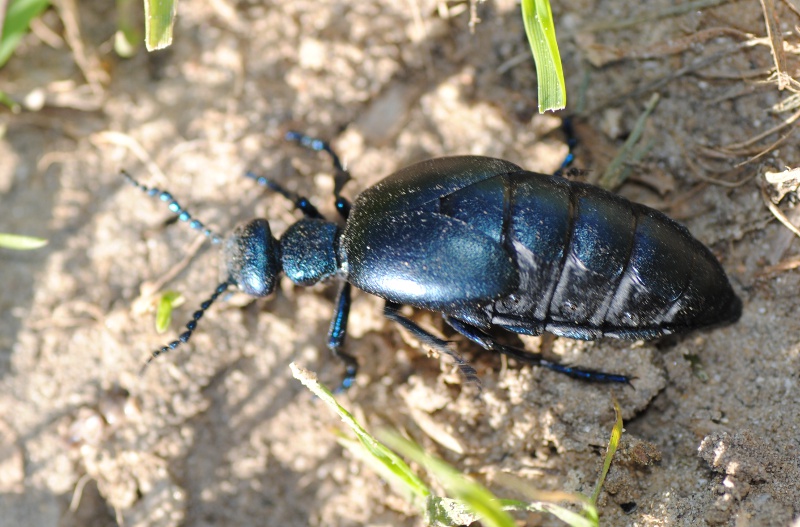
<point x="580" y="261"/>
<point x="592" y="263"/>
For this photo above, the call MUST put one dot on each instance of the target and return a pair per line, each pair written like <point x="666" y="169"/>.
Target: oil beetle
<point x="488" y="245"/>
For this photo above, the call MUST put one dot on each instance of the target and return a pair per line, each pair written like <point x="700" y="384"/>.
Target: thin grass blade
<point x="159" y="18"/>
<point x="21" y="243"/>
<point x="541" y="31"/>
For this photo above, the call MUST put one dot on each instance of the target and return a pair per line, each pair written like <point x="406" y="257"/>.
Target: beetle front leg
<point x="337" y="334"/>
<point x="391" y="310"/>
<point x="479" y="337"/>
<point x="342" y="176"/>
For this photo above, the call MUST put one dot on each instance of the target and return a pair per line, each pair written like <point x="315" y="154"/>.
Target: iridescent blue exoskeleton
<point x="488" y="245"/>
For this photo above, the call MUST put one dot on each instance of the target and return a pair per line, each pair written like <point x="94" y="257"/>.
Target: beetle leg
<point x="487" y="342"/>
<point x="392" y="311"/>
<point x="337" y="334"/>
<point x="342" y="207"/>
<point x="190" y="326"/>
<point x="572" y="140"/>
<point x="342" y="176"/>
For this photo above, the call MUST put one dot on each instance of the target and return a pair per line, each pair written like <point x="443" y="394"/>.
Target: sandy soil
<point x="219" y="433"/>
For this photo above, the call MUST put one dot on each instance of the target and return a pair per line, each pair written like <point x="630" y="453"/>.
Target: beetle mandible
<point x="488" y="245"/>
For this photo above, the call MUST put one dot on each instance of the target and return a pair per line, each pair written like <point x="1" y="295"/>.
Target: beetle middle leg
<point x="391" y="310"/>
<point x="487" y="342"/>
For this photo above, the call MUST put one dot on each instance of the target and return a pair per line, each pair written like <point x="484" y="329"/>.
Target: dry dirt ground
<point x="219" y="433"/>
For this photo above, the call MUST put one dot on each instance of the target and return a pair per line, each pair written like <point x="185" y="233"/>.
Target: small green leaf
<point x="541" y="31"/>
<point x="159" y="16"/>
<point x="21" y="243"/>
<point x="17" y="21"/>
<point x="10" y="103"/>
<point x="697" y="366"/>
<point x="166" y="304"/>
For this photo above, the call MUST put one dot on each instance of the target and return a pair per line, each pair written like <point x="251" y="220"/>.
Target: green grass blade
<point x="21" y="243"/>
<point x="613" y="443"/>
<point x="159" y="18"/>
<point x="573" y="519"/>
<point x="471" y="493"/>
<point x="18" y="19"/>
<point x="9" y="103"/>
<point x="541" y="31"/>
<point x="548" y="501"/>
<point x="446" y="512"/>
<point x="388" y="459"/>
<point x="129" y="31"/>
<point x="399" y="484"/>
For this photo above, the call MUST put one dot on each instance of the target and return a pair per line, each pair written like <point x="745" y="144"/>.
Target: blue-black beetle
<point x="488" y="245"/>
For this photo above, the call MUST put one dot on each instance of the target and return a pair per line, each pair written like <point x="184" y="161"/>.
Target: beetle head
<point x="252" y="258"/>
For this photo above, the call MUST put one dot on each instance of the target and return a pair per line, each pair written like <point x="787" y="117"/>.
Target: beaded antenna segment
<point x="186" y="217"/>
<point x="174" y="206"/>
<point x="190" y="326"/>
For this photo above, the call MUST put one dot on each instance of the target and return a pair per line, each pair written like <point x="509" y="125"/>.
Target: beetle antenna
<point x="174" y="206"/>
<point x="190" y="326"/>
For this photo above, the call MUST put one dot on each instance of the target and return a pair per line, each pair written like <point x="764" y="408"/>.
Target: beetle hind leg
<point x="487" y="342"/>
<point x="391" y="311"/>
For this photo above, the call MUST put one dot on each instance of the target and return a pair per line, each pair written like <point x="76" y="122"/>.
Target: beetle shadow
<point x="272" y="483"/>
<point x="210" y="461"/>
